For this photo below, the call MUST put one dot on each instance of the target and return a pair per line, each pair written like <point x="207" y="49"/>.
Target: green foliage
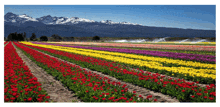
<point x="33" y="37"/>
<point x="16" y="37"/>
<point x="96" y="38"/>
<point x="56" y="37"/>
<point x="43" y="38"/>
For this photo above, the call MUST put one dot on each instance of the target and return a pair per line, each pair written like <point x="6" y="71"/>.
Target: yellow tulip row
<point x="151" y="58"/>
<point x="149" y="64"/>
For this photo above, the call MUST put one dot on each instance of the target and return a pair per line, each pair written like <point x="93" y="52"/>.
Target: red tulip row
<point x="20" y="85"/>
<point x="5" y="42"/>
<point x="184" y="91"/>
<point x="88" y="86"/>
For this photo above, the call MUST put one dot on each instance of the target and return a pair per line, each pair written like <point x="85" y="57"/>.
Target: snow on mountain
<point x="49" y="20"/>
<point x="62" y="20"/>
<point x="46" y="19"/>
<point x="109" y="22"/>
<point x="24" y="16"/>
<point x="10" y="17"/>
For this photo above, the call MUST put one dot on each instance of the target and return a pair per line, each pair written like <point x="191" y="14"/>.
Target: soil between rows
<point x="139" y="90"/>
<point x="167" y="76"/>
<point x="54" y="88"/>
<point x="5" y="44"/>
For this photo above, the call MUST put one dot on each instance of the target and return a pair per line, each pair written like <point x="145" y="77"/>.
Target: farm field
<point x="172" y="43"/>
<point x="109" y="72"/>
<point x="151" y="46"/>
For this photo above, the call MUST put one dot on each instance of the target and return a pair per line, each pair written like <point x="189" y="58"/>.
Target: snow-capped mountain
<point x="10" y="17"/>
<point x="21" y="20"/>
<point x="62" y="20"/>
<point x="78" y="27"/>
<point x="109" y="22"/>
<point x="74" y="20"/>
<point x="49" y="20"/>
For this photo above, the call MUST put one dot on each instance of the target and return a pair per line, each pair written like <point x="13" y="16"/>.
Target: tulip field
<point x="110" y="72"/>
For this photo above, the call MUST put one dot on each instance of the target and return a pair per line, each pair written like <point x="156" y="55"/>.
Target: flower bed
<point x="19" y="83"/>
<point x="196" y="57"/>
<point x="204" y="75"/>
<point x="151" y="46"/>
<point x="161" y="50"/>
<point x="5" y="42"/>
<point x="88" y="86"/>
<point x="184" y="91"/>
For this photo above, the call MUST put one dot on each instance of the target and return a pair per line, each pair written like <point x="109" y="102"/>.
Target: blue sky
<point x="176" y="16"/>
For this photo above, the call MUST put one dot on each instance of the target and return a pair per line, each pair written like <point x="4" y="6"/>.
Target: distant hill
<point x="78" y="27"/>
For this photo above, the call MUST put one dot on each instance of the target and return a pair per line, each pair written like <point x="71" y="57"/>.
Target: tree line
<point x="22" y="37"/>
<point x="17" y="36"/>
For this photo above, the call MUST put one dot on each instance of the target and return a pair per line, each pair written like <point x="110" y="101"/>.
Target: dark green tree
<point x="56" y="37"/>
<point x="20" y="37"/>
<point x="33" y="37"/>
<point x="96" y="38"/>
<point x="72" y="38"/>
<point x="43" y="38"/>
<point x="12" y="37"/>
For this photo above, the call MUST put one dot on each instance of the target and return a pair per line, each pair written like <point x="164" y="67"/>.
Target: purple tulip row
<point x="196" y="57"/>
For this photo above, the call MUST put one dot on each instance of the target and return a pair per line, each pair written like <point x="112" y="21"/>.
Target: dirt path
<point x="140" y="91"/>
<point x="166" y="76"/>
<point x="5" y="44"/>
<point x="54" y="88"/>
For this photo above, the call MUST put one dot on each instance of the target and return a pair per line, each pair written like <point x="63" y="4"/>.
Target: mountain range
<point x="75" y="26"/>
